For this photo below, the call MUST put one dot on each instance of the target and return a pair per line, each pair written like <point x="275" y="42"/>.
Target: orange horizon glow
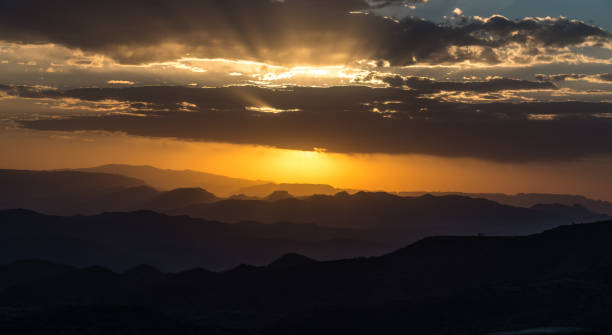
<point x="35" y="150"/>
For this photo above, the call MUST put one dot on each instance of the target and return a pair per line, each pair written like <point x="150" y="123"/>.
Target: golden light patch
<point x="272" y="110"/>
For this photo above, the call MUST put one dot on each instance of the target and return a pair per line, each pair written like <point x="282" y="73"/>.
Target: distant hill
<point x="220" y="185"/>
<point x="278" y="195"/>
<point x="298" y="190"/>
<point x="390" y="219"/>
<point x="248" y="189"/>
<point x="77" y="192"/>
<point x="24" y="182"/>
<point x="530" y="199"/>
<point x="403" y="219"/>
<point x="173" y="179"/>
<point x="164" y="201"/>
<point x="66" y="192"/>
<point x="557" y="281"/>
<point x="243" y="197"/>
<point x="121" y="240"/>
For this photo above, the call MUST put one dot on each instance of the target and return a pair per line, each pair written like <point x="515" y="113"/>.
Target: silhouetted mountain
<point x="72" y="192"/>
<point x="401" y="219"/>
<point x="278" y="195"/>
<point x="26" y="271"/>
<point x="173" y="179"/>
<point x="178" y="198"/>
<point x="530" y="199"/>
<point x="65" y="192"/>
<point x="243" y="197"/>
<point x="124" y="199"/>
<point x="558" y="280"/>
<point x="578" y="212"/>
<point x="143" y="272"/>
<point x="119" y="240"/>
<point x="298" y="190"/>
<point x="221" y="185"/>
<point x="292" y="260"/>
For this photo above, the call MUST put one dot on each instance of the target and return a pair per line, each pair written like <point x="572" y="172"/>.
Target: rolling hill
<point x="119" y="240"/>
<point x="401" y="219"/>
<point x="558" y="281"/>
<point x="530" y="199"/>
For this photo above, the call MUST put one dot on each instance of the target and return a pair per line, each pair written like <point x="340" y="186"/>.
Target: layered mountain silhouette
<point x="120" y="240"/>
<point x="401" y="219"/>
<point x="278" y="195"/>
<point x="75" y="192"/>
<point x="298" y="190"/>
<point x="226" y="187"/>
<point x="530" y="199"/>
<point x="164" y="179"/>
<point x="556" y="282"/>
<point x="391" y="219"/>
<point x="69" y="192"/>
<point x="172" y="179"/>
<point x="178" y="198"/>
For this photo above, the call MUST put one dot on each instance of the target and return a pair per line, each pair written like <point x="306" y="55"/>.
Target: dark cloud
<point x="30" y="91"/>
<point x="603" y="77"/>
<point x="427" y="85"/>
<point x="354" y="120"/>
<point x="289" y="31"/>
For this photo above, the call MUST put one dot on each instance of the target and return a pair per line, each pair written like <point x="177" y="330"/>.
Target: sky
<point x="441" y="95"/>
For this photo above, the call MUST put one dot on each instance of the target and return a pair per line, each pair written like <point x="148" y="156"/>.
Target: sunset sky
<point x="440" y="95"/>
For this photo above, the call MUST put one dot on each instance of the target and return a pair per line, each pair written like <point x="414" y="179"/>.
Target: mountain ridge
<point x="120" y="240"/>
<point x="533" y="280"/>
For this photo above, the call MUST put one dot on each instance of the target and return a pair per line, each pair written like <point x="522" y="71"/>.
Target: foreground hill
<point x="119" y="240"/>
<point x="560" y="279"/>
<point x="405" y="218"/>
<point x="530" y="199"/>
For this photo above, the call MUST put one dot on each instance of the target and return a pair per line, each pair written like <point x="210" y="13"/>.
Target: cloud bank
<point x="285" y="32"/>
<point x="344" y="120"/>
<point x="593" y="78"/>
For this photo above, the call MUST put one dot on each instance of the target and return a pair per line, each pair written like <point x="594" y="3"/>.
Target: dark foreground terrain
<point x="440" y="285"/>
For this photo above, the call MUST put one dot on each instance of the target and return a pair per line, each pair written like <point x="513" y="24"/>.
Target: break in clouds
<point x="285" y="32"/>
<point x="406" y="114"/>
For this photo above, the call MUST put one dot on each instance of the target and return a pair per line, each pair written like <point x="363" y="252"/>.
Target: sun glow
<point x="266" y="109"/>
<point x="314" y="164"/>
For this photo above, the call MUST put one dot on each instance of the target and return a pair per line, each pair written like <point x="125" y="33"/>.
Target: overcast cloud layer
<point x="281" y="32"/>
<point x="423" y="81"/>
<point x="345" y="120"/>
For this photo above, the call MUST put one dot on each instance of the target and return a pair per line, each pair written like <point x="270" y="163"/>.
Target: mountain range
<point x="557" y="281"/>
<point x="119" y="240"/>
<point x="390" y="220"/>
<point x="529" y="199"/>
<point x="164" y="179"/>
<point x="262" y="258"/>
<point x="226" y="187"/>
<point x="400" y="219"/>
